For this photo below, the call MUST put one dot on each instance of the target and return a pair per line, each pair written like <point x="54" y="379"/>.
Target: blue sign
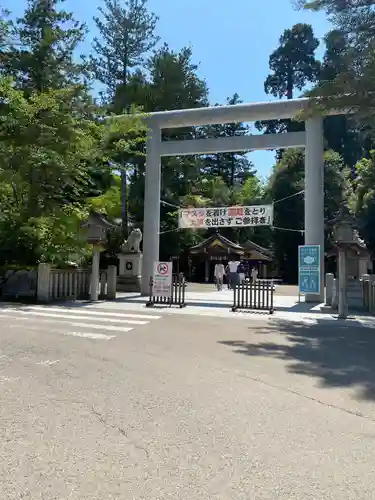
<point x="309" y="269"/>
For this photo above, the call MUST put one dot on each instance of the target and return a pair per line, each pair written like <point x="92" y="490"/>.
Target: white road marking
<point x="101" y="327"/>
<point x="72" y="323"/>
<point x="73" y="316"/>
<point x="91" y="312"/>
<point x="8" y="379"/>
<point x="94" y="336"/>
<point x="47" y="362"/>
<point x="85" y="323"/>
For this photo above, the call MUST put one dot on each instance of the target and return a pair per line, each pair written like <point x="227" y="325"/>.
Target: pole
<point x="94" y="292"/>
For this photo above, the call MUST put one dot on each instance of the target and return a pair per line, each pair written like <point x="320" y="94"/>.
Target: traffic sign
<point x="309" y="269"/>
<point x="162" y="280"/>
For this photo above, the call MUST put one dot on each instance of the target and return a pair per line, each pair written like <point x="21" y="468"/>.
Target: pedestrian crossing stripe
<point x="82" y="311"/>
<point x="77" y="319"/>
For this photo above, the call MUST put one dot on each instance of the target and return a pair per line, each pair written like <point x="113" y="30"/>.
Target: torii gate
<point x="311" y="140"/>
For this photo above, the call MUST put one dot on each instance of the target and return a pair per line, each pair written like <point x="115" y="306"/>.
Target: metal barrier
<point x="256" y="296"/>
<point x="177" y="297"/>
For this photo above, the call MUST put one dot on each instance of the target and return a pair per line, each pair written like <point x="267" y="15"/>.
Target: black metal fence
<point x="254" y="296"/>
<point x="177" y="297"/>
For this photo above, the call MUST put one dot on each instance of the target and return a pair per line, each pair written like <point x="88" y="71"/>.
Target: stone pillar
<point x="111" y="282"/>
<point x="314" y="195"/>
<point x="151" y="220"/>
<point x="343" y="280"/>
<point x="329" y="289"/>
<point x="130" y="272"/>
<point x="94" y="285"/>
<point x="43" y="283"/>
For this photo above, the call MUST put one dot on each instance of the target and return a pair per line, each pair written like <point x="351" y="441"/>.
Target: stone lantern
<point x="96" y="228"/>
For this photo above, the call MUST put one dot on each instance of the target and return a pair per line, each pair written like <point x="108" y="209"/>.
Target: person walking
<point x="233" y="275"/>
<point x="254" y="274"/>
<point x="219" y="272"/>
<point x="241" y="270"/>
<point x="227" y="276"/>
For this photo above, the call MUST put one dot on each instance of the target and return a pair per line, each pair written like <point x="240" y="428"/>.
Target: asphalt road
<point x="186" y="408"/>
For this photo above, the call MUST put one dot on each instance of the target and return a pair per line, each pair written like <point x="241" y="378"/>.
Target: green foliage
<point x="232" y="167"/>
<point x="49" y="238"/>
<point x="362" y="199"/>
<point x="109" y="203"/>
<point x="44" y="41"/>
<point x="293" y="65"/>
<point x="126" y="35"/>
<point x="352" y="87"/>
<point x="285" y="182"/>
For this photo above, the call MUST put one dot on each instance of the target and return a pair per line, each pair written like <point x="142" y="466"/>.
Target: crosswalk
<point x="75" y="321"/>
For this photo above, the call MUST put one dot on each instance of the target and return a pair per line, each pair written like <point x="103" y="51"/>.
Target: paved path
<point x="187" y="408"/>
<point x="214" y="303"/>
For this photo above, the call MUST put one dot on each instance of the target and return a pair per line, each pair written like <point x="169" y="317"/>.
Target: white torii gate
<point x="311" y="140"/>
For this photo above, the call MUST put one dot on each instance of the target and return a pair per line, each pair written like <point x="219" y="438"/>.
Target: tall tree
<point x="363" y="198"/>
<point x="341" y="132"/>
<point x="43" y="53"/>
<point x="172" y="82"/>
<point x="127" y="35"/>
<point x="285" y="186"/>
<point x="232" y="167"/>
<point x="293" y="65"/>
<point x="353" y="87"/>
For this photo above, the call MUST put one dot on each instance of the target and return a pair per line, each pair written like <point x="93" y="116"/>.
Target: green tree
<point x="353" y="86"/>
<point x="285" y="188"/>
<point x="362" y="200"/>
<point x="127" y="35"/>
<point x="172" y="83"/>
<point x="232" y="167"/>
<point x="293" y="65"/>
<point x="341" y="133"/>
<point x="46" y="147"/>
<point x="42" y="55"/>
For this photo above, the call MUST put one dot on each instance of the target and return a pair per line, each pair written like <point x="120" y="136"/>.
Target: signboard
<point x="201" y="218"/>
<point x="309" y="269"/>
<point x="162" y="282"/>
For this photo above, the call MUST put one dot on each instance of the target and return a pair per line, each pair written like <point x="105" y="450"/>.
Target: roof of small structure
<point x="98" y="219"/>
<point x="249" y="245"/>
<point x="217" y="240"/>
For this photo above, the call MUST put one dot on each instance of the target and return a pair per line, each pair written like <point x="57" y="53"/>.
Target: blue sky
<point x="231" y="40"/>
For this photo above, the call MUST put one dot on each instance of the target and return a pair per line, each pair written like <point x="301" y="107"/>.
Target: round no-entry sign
<point x="162" y="268"/>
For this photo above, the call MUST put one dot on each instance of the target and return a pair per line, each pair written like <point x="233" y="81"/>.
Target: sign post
<point x="162" y="279"/>
<point x="309" y="269"/>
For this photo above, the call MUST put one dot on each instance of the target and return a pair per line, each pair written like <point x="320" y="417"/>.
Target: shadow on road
<point x="338" y="355"/>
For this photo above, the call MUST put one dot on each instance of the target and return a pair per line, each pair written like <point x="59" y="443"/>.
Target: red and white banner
<point x="201" y="218"/>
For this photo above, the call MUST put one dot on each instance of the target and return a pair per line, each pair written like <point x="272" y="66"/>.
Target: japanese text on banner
<point x="256" y="215"/>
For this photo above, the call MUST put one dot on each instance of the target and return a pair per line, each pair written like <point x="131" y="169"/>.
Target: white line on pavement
<point x="88" y="311"/>
<point x="80" y="325"/>
<point x="94" y="336"/>
<point x="100" y="327"/>
<point x="75" y="316"/>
